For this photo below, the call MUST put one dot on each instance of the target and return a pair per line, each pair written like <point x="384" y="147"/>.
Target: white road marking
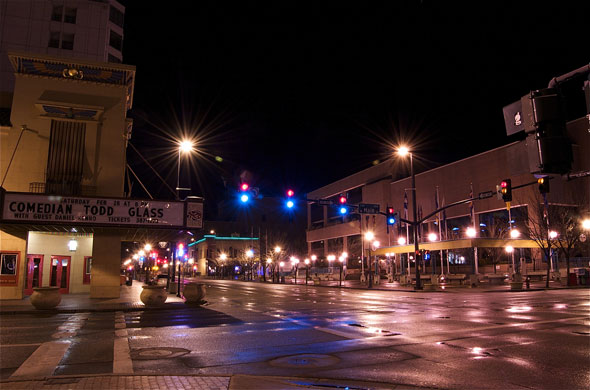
<point x="43" y="361"/>
<point x="122" y="363"/>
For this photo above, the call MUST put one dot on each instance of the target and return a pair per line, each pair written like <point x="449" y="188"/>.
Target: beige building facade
<point x="68" y="140"/>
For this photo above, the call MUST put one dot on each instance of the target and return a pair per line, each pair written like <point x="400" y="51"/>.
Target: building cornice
<point x="75" y="70"/>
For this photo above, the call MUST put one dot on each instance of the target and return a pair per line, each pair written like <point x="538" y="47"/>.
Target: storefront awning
<point x="459" y="244"/>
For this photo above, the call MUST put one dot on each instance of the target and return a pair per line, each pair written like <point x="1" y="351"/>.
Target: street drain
<point x="307" y="360"/>
<point x="157" y="353"/>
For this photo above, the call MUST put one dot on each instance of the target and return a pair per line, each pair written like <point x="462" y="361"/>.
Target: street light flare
<point x="403" y="150"/>
<point x="186" y="146"/>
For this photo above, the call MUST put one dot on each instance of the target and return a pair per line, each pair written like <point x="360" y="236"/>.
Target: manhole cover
<point x="157" y="353"/>
<point x="305" y="361"/>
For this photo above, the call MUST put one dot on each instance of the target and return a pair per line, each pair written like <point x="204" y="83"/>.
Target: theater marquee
<point x="19" y="207"/>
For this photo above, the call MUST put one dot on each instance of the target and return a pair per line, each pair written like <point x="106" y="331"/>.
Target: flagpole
<point x="442" y="269"/>
<point x="476" y="268"/>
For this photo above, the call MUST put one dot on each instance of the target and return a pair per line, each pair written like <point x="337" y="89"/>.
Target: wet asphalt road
<point x="458" y="339"/>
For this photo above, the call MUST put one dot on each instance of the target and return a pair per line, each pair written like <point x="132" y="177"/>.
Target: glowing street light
<point x="586" y="224"/>
<point x="184" y="146"/>
<point x="432" y="237"/>
<point x="553" y="234"/>
<point x="401" y="241"/>
<point x="404" y="151"/>
<point x="514" y="233"/>
<point x="470" y="232"/>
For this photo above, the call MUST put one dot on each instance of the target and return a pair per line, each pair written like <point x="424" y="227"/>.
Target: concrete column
<point x="105" y="280"/>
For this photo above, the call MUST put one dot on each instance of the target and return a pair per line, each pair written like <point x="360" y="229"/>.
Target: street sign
<point x="368" y="208"/>
<point x="325" y="202"/>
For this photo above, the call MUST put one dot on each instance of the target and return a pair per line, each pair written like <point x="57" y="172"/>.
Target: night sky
<point x="300" y="94"/>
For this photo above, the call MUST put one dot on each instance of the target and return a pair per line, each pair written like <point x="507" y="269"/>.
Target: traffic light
<point x="391" y="216"/>
<point x="543" y="185"/>
<point x="180" y="250"/>
<point x="549" y="149"/>
<point x="290" y="203"/>
<point x="343" y="208"/>
<point x="244" y="193"/>
<point x="506" y="190"/>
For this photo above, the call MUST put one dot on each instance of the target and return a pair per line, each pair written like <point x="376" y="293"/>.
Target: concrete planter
<point x="194" y="293"/>
<point x="45" y="298"/>
<point x="153" y="295"/>
<point x="516" y="285"/>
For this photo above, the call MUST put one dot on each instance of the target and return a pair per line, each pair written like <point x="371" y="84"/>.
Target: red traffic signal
<point x="244" y="186"/>
<point x="342" y="199"/>
<point x="290" y="193"/>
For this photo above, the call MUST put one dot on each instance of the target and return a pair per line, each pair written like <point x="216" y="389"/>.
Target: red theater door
<point x="60" y="273"/>
<point x="34" y="274"/>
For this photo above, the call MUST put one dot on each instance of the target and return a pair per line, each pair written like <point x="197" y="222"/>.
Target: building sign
<point x="66" y="209"/>
<point x="194" y="215"/>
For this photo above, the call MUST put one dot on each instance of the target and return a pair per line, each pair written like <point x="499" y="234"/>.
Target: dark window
<point x="66" y="157"/>
<point x="70" y="15"/>
<point x="54" y="39"/>
<point x="114" y="59"/>
<point x="57" y="13"/>
<point x="116" y="41"/>
<point x="116" y="16"/>
<point x="67" y="41"/>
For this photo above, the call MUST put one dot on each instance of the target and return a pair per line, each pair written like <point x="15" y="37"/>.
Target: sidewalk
<point x="161" y="382"/>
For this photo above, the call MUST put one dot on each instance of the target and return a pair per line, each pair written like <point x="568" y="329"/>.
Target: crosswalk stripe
<point x="43" y="361"/>
<point x="122" y="363"/>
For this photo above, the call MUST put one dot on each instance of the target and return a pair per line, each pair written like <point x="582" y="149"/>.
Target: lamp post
<point x="277" y="251"/>
<point x="222" y="257"/>
<point x="184" y="147"/>
<point x="402" y="151"/>
<point x="249" y="255"/>
<point x="294" y="264"/>
<point x="369" y="236"/>
<point x="306" y="261"/>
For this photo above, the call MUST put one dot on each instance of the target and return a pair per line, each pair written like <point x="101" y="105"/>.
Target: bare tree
<point x="497" y="227"/>
<point x="565" y="220"/>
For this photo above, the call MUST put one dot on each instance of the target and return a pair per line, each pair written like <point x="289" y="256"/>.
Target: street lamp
<point x="249" y="255"/>
<point x="183" y="147"/>
<point x="294" y="263"/>
<point x="277" y="251"/>
<point x="369" y="236"/>
<point x="306" y="261"/>
<point x="222" y="257"/>
<point x="403" y="151"/>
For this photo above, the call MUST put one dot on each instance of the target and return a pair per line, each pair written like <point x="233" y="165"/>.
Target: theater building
<point x="63" y="162"/>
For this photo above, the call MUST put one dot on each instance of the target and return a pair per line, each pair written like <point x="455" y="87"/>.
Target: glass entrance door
<point x="34" y="273"/>
<point x="60" y="273"/>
